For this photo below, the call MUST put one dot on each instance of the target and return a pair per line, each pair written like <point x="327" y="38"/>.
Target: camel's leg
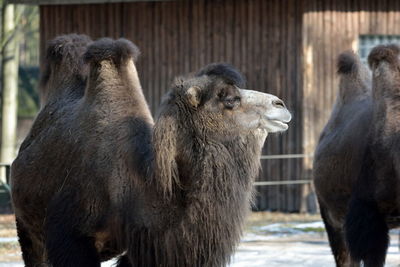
<point x="336" y="242"/>
<point x="123" y="261"/>
<point x="67" y="247"/>
<point x="366" y="232"/>
<point x="30" y="251"/>
<point x="66" y="244"/>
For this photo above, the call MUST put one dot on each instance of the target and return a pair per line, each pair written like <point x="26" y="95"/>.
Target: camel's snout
<point x="273" y="114"/>
<point x="281" y="113"/>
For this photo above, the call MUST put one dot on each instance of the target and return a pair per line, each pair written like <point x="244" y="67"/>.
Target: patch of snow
<point x="314" y="225"/>
<point x="8" y="239"/>
<point x="283" y="244"/>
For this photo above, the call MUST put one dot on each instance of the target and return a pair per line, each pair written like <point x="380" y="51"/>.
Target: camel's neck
<point x="218" y="185"/>
<point x="386" y="107"/>
<point x="386" y="118"/>
<point x="226" y="161"/>
<point x="60" y="85"/>
<point x="357" y="91"/>
<point x="214" y="200"/>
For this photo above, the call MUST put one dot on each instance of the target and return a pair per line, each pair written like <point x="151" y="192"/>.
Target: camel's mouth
<point x="278" y="123"/>
<point x="274" y="126"/>
<point x="274" y="116"/>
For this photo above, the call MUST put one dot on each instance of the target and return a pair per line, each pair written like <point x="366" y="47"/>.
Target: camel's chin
<point x="273" y="126"/>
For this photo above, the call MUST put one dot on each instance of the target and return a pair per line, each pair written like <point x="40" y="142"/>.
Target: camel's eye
<point x="231" y="102"/>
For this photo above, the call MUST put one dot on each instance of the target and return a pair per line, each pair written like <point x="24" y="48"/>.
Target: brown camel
<point x="339" y="154"/>
<point x="374" y="206"/>
<point x="96" y="177"/>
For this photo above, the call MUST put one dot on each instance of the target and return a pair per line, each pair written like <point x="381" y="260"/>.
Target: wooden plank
<point x="215" y="31"/>
<point x="394" y="28"/>
<point x="276" y="47"/>
<point x="291" y="101"/>
<point x="157" y="58"/>
<point x="363" y="29"/>
<point x="195" y="37"/>
<point x="229" y="31"/>
<point x="184" y="21"/>
<point x="287" y="196"/>
<point x="236" y="35"/>
<point x="391" y="16"/>
<point x="270" y="201"/>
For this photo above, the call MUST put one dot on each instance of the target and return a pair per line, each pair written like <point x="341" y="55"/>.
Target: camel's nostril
<point x="278" y="103"/>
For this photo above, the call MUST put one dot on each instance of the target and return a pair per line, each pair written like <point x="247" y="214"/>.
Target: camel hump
<point x="70" y="47"/>
<point x="118" y="51"/>
<point x="388" y="53"/>
<point x="224" y="71"/>
<point x="347" y="63"/>
<point x="63" y="60"/>
<point x="355" y="77"/>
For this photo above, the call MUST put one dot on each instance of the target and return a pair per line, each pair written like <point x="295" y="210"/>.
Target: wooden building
<point x="284" y="47"/>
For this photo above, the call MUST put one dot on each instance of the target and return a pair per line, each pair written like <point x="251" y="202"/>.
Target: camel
<point x="374" y="205"/>
<point x="97" y="178"/>
<point x="339" y="153"/>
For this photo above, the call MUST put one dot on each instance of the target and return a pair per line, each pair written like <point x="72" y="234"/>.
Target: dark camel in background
<point x="374" y="206"/>
<point x="339" y="153"/>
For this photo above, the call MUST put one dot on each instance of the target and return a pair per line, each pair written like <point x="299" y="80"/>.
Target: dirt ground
<point x="9" y="247"/>
<point x="270" y="239"/>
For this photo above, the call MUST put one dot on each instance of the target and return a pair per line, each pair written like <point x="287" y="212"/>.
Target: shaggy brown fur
<point x="339" y="154"/>
<point x="96" y="179"/>
<point x="61" y="187"/>
<point x="64" y="69"/>
<point x="375" y="201"/>
<point x="62" y="82"/>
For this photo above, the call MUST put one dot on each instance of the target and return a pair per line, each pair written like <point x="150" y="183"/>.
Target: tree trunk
<point x="9" y="88"/>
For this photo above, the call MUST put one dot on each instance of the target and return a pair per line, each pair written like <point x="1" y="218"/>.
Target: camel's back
<point x="46" y="155"/>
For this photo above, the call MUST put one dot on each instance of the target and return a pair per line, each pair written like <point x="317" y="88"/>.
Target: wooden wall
<point x="330" y="27"/>
<point x="261" y="38"/>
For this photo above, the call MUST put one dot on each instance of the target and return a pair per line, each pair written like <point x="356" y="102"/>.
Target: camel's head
<point x="264" y="111"/>
<point x="211" y="107"/>
<point x="216" y="94"/>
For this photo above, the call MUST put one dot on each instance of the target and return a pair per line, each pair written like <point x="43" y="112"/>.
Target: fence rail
<point x="287" y="156"/>
<point x="258" y="183"/>
<point x="285" y="182"/>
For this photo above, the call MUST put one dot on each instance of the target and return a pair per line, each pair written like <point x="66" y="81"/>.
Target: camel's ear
<point x="164" y="142"/>
<point x="193" y="96"/>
